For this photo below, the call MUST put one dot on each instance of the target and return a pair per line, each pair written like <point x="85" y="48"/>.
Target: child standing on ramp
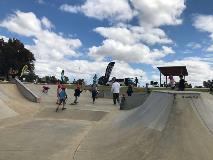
<point x="94" y="93"/>
<point x="62" y="98"/>
<point x="77" y="94"/>
<point x="58" y="91"/>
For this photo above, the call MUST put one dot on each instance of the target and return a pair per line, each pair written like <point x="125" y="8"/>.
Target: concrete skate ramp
<point x="166" y="127"/>
<point x="204" y="108"/>
<point x="12" y="103"/>
<point x="26" y="92"/>
<point x="5" y="111"/>
<point x="133" y="101"/>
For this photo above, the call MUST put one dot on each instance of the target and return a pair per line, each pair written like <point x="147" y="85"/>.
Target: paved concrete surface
<point x="168" y="126"/>
<point x="35" y="131"/>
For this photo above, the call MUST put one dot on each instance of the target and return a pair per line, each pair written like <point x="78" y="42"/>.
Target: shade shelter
<point x="173" y="70"/>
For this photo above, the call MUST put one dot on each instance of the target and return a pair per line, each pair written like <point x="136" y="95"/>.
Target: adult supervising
<point x="115" y="90"/>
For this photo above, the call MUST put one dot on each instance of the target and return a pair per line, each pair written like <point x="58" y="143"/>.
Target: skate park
<point x="168" y="125"/>
<point x="106" y="80"/>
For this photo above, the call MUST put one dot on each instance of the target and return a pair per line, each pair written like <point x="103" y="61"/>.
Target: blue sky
<point x="82" y="36"/>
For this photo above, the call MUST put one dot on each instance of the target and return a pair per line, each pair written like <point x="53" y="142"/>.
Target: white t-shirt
<point x="115" y="87"/>
<point x="172" y="82"/>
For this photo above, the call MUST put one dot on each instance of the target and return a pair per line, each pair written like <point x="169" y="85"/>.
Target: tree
<point x="66" y="79"/>
<point x="31" y="77"/>
<point x="13" y="56"/>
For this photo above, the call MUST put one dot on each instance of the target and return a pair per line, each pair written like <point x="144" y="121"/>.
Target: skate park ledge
<point x="26" y="92"/>
<point x="183" y="93"/>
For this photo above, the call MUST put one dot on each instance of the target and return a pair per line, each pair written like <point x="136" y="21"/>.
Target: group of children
<point x="62" y="96"/>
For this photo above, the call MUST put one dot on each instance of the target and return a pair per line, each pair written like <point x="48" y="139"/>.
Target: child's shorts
<point x="61" y="101"/>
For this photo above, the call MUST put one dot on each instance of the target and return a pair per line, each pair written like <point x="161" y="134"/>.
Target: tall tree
<point x="13" y="56"/>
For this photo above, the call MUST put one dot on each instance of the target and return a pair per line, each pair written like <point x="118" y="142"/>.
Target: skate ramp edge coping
<point x="26" y="92"/>
<point x="185" y="93"/>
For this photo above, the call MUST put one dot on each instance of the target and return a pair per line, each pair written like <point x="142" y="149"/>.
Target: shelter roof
<point x="173" y="70"/>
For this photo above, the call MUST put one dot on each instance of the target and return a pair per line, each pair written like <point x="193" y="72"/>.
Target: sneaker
<point x="56" y="110"/>
<point x="64" y="108"/>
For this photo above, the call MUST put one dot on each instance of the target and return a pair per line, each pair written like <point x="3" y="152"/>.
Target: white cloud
<point x="134" y="34"/>
<point x="51" y="49"/>
<point x="113" y="10"/>
<point x="48" y="45"/>
<point x="47" y="24"/>
<point x="150" y="15"/>
<point x="210" y="48"/>
<point x="26" y="24"/>
<point x="120" y="34"/>
<point x="159" y="12"/>
<point x="151" y="35"/>
<point x="4" y="38"/>
<point x="204" y="23"/>
<point x="137" y="53"/>
<point x="85" y="69"/>
<point x="69" y="8"/>
<point x="126" y="43"/>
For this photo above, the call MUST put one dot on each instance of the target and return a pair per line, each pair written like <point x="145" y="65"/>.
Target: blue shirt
<point x="62" y="94"/>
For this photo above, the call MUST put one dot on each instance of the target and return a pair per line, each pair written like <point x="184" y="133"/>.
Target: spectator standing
<point x="129" y="90"/>
<point x="172" y="82"/>
<point x="136" y="81"/>
<point x="94" y="93"/>
<point x="181" y="85"/>
<point x="115" y="90"/>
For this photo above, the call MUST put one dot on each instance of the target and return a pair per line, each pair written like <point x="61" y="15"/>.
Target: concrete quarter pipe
<point x="173" y="132"/>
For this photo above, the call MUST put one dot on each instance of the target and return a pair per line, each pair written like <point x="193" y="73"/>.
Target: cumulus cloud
<point x="122" y="40"/>
<point x="151" y="36"/>
<point x="85" y="69"/>
<point x="103" y="9"/>
<point x="204" y="23"/>
<point x="151" y="13"/>
<point x="134" y="34"/>
<point x="26" y="24"/>
<point x="44" y="47"/>
<point x="159" y="12"/>
<point x="51" y="58"/>
<point x="46" y="23"/>
<point x="136" y="53"/>
<point x="131" y="43"/>
<point x="210" y="48"/>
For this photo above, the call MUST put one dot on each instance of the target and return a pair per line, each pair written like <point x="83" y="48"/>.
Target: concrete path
<point x="168" y="126"/>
